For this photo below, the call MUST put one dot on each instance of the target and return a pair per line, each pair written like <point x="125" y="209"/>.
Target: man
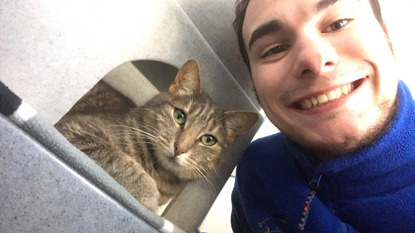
<point x="345" y="158"/>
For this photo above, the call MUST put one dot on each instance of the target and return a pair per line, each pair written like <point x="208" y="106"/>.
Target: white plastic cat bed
<point x="52" y="53"/>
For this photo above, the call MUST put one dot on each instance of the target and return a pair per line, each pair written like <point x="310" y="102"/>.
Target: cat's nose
<point x="179" y="149"/>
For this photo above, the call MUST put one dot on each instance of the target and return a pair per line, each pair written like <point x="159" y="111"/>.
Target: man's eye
<point x="339" y="24"/>
<point x="275" y="50"/>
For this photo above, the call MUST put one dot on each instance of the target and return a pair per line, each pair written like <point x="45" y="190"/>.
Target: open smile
<point x="327" y="97"/>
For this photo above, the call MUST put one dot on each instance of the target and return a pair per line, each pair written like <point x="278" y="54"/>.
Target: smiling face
<point x="323" y="70"/>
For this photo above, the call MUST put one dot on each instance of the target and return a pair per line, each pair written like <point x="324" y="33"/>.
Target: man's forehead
<point x="262" y="12"/>
<point x="322" y="4"/>
<point x="256" y="6"/>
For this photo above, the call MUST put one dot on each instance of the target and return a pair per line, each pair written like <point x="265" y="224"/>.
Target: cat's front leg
<point x="163" y="199"/>
<point x="133" y="177"/>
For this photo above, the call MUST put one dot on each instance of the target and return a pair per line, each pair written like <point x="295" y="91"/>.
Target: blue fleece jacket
<point x="371" y="190"/>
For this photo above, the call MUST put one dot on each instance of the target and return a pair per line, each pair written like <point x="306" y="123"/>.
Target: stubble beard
<point x="326" y="151"/>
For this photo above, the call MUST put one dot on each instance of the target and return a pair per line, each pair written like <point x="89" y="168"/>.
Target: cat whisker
<point x="215" y="172"/>
<point x="207" y="181"/>
<point x="139" y="136"/>
<point x="147" y="109"/>
<point x="157" y="160"/>
<point x="148" y="127"/>
<point x="201" y="171"/>
<point x="140" y="131"/>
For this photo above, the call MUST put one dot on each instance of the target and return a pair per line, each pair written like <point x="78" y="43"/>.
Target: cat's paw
<point x="150" y="201"/>
<point x="145" y="191"/>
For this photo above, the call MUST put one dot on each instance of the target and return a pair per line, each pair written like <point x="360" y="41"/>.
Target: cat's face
<point x="190" y="134"/>
<point x="188" y="131"/>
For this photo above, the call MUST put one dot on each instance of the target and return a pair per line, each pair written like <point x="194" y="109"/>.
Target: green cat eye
<point x="208" y="140"/>
<point x="179" y="116"/>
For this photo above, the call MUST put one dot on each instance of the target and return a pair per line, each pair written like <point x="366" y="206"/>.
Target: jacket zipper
<point x="314" y="186"/>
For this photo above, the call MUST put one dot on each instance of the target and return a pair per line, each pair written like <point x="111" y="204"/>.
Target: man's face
<point x="323" y="69"/>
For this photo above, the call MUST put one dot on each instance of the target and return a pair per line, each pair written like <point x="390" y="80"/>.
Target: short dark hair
<point x="240" y="11"/>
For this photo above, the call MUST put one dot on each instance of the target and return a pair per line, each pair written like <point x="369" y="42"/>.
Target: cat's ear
<point x="187" y="80"/>
<point x="238" y="122"/>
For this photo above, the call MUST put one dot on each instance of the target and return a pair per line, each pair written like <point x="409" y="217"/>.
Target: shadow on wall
<point x="141" y="80"/>
<point x="160" y="74"/>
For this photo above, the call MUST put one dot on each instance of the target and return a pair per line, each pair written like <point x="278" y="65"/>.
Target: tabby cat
<point x="155" y="150"/>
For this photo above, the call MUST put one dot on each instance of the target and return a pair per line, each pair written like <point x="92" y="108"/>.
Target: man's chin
<point x="320" y="152"/>
<point x="329" y="148"/>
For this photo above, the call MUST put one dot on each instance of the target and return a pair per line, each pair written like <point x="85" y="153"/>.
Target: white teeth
<point x="338" y="93"/>
<point x="324" y="98"/>
<point x="308" y="103"/>
<point x="331" y="95"/>
<point x="314" y="101"/>
<point x="345" y="90"/>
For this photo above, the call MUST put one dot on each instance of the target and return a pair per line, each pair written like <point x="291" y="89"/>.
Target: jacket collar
<point x="389" y="151"/>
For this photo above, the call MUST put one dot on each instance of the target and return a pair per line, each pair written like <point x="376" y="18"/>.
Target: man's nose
<point x="315" y="55"/>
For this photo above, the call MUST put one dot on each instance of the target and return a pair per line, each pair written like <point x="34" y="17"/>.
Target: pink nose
<point x="179" y="149"/>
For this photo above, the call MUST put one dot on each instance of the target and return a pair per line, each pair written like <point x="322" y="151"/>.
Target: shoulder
<point x="263" y="148"/>
<point x="259" y="175"/>
<point x="260" y="154"/>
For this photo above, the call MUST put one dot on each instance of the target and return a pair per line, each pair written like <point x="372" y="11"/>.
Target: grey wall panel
<point x="40" y="193"/>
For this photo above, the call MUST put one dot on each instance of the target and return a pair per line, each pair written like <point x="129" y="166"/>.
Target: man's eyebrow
<point x="323" y="4"/>
<point x="265" y="29"/>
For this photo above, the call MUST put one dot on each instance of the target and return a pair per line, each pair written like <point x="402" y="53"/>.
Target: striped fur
<point x="146" y="150"/>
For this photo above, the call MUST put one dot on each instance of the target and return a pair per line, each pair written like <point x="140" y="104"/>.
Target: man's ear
<point x="187" y="80"/>
<point x="238" y="122"/>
